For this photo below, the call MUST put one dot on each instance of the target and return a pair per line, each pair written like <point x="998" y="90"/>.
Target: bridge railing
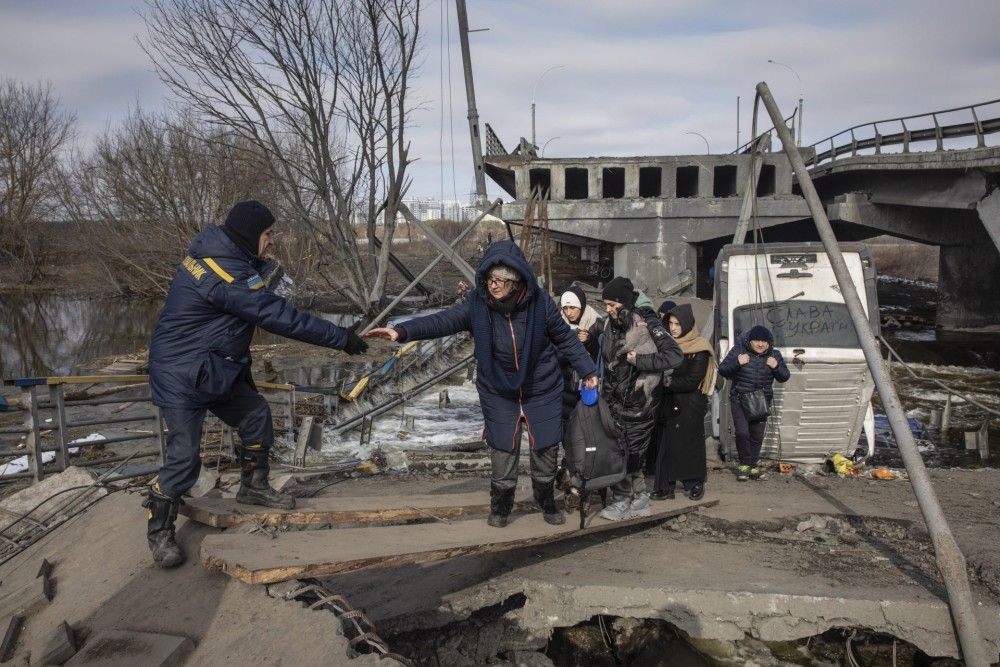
<point x="975" y="120"/>
<point x="41" y="429"/>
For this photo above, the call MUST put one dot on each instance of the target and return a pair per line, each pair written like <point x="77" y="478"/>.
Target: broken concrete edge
<point x="716" y="615"/>
<point x="273" y="575"/>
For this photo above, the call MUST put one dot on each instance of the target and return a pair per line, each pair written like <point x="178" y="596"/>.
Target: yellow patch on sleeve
<point x="219" y="271"/>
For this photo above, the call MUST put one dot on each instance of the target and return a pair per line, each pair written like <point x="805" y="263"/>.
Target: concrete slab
<point x="736" y="570"/>
<point x="123" y="648"/>
<point x="106" y="581"/>
<point x="16" y="505"/>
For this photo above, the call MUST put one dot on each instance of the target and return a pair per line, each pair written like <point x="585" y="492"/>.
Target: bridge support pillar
<point x="654" y="267"/>
<point x="969" y="286"/>
<point x="988" y="209"/>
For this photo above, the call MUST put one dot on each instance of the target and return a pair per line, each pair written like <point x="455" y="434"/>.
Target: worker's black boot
<point x="162" y="512"/>
<point x="545" y="497"/>
<point x="501" y="503"/>
<point x="254" y="489"/>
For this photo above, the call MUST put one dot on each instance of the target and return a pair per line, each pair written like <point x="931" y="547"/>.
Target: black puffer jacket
<point x="633" y="392"/>
<point x="755" y="374"/>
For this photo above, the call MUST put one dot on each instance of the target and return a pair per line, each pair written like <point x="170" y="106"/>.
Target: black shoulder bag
<point x="754" y="405"/>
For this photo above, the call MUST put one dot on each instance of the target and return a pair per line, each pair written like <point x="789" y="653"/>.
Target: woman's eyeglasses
<point x="499" y="282"/>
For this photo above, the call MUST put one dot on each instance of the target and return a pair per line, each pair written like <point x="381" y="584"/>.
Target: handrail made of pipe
<point x="976" y="126"/>
<point x="950" y="390"/>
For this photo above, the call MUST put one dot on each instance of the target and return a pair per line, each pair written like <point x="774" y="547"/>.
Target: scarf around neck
<point x="692" y="343"/>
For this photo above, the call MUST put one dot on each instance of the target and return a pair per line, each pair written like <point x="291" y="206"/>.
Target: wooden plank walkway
<point x="259" y="559"/>
<point x="374" y="510"/>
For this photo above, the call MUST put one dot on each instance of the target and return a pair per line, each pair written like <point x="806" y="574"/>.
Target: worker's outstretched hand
<point x="355" y="345"/>
<point x="384" y="332"/>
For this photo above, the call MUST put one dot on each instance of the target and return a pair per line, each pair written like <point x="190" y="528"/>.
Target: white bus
<point x="790" y="288"/>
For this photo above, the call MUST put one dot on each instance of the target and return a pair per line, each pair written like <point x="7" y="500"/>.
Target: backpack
<point x="595" y="456"/>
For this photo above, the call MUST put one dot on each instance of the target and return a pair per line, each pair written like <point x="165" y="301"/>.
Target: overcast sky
<point x="636" y="76"/>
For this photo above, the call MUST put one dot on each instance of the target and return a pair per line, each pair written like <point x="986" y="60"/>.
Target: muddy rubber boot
<point x="545" y="497"/>
<point x="254" y="488"/>
<point x="161" y="514"/>
<point x="501" y="503"/>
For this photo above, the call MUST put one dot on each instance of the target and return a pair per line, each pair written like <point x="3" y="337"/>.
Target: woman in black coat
<point x="681" y="452"/>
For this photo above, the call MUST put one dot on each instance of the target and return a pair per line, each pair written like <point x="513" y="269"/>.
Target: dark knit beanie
<point x="760" y="332"/>
<point x="246" y="221"/>
<point x="666" y="307"/>
<point x="621" y="290"/>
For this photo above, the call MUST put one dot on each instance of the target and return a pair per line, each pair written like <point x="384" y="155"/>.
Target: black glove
<point x="355" y="344"/>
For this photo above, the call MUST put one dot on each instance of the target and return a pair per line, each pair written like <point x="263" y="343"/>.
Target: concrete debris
<point x="530" y="659"/>
<point x="60" y="647"/>
<point x="55" y="490"/>
<point x="208" y="480"/>
<point x="11" y="627"/>
<point x="117" y="648"/>
<point x="45" y="569"/>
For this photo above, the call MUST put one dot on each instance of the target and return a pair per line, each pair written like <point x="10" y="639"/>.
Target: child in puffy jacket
<point x="752" y="364"/>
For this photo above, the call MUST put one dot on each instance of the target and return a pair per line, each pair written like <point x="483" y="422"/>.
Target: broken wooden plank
<point x="320" y="553"/>
<point x="355" y="511"/>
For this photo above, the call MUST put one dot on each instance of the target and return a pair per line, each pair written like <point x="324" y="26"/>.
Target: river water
<point x="55" y="335"/>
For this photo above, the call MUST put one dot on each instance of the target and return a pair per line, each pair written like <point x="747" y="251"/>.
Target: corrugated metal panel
<point x="819" y="411"/>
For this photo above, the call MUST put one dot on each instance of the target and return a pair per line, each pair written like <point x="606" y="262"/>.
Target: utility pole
<point x="950" y="561"/>
<point x="470" y="96"/>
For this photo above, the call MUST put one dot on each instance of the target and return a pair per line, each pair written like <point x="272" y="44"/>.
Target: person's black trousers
<point x="246" y="411"/>
<point x="749" y="435"/>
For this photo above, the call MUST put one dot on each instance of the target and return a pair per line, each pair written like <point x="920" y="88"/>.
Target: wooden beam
<point x="373" y="511"/>
<point x="319" y="553"/>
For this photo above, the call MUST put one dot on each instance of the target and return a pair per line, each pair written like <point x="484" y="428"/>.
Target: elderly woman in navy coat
<point x="516" y="328"/>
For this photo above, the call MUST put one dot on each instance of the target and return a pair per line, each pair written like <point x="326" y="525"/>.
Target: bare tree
<point x="319" y="87"/>
<point x="32" y="130"/>
<point x="149" y="186"/>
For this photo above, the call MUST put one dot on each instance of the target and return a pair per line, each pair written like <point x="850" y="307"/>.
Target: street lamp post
<point x="708" y="149"/>
<point x="541" y="152"/>
<point x="798" y="134"/>
<point x="534" y="89"/>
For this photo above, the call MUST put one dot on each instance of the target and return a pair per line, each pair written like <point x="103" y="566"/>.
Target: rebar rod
<point x="950" y="560"/>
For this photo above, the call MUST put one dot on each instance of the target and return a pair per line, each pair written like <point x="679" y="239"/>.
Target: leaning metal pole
<point x="950" y="560"/>
<point x="427" y="269"/>
<point x="470" y="96"/>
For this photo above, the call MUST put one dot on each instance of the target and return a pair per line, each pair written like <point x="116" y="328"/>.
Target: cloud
<point x="638" y="75"/>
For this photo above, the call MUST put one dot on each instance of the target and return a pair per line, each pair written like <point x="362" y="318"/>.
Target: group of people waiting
<point x="532" y="357"/>
<point x="654" y="370"/>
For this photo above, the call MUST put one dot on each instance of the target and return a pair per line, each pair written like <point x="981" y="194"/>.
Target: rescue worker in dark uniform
<point x="199" y="361"/>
